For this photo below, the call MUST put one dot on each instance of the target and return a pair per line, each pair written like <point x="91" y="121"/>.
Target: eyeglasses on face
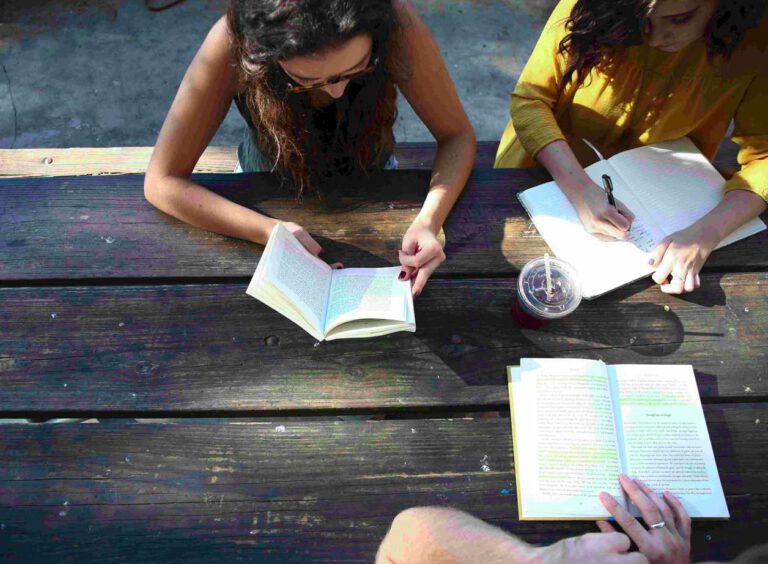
<point x="298" y="88"/>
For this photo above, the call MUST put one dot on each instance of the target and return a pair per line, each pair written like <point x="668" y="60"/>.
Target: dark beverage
<point x="548" y="288"/>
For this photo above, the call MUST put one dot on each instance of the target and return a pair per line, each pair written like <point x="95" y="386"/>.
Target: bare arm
<point x="435" y="535"/>
<point x="440" y="536"/>
<point x="202" y="102"/>
<point x="430" y="91"/>
<point x="598" y="217"/>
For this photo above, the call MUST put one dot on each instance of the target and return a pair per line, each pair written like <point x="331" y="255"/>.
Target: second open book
<point x="326" y="303"/>
<point x="577" y="424"/>
<point x="668" y="186"/>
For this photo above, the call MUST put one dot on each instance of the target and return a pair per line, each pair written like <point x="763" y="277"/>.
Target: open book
<point x="668" y="186"/>
<point x="577" y="424"/>
<point x="327" y="303"/>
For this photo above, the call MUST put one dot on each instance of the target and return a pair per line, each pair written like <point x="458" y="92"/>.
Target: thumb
<point x="617" y="218"/>
<point x="410" y="244"/>
<point x="658" y="253"/>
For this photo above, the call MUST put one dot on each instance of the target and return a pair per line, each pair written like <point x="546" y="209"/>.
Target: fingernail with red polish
<point x="402" y="275"/>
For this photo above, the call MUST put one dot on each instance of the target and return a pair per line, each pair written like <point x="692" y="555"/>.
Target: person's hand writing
<point x="420" y="256"/>
<point x="667" y="543"/>
<point x="599" y="217"/>
<point x="681" y="256"/>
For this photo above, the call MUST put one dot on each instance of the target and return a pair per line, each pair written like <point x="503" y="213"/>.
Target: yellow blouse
<point x="647" y="97"/>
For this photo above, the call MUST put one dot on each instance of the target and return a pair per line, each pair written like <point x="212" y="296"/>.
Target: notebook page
<point x="676" y="184"/>
<point x="665" y="435"/>
<point x="566" y="451"/>
<point x="602" y="265"/>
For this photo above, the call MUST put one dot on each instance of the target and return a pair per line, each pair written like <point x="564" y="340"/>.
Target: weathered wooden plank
<point x="78" y="161"/>
<point x="101" y="227"/>
<point x="187" y="347"/>
<point x="134" y="160"/>
<point x="287" y="491"/>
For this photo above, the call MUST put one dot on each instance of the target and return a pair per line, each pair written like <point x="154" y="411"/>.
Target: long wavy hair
<point x="267" y="31"/>
<point x="598" y="28"/>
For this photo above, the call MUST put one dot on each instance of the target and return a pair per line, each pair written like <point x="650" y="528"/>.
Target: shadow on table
<point x="479" y="339"/>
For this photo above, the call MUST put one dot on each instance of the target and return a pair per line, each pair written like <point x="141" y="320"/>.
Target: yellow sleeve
<point x="751" y="134"/>
<point x="536" y="92"/>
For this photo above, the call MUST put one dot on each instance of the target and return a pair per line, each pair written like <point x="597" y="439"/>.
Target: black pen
<point x="608" y="185"/>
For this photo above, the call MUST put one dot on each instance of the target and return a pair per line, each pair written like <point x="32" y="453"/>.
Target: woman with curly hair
<point x="316" y="82"/>
<point x="626" y="73"/>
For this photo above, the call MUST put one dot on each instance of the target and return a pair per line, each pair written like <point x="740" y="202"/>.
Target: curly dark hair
<point x="598" y="28"/>
<point x="267" y="31"/>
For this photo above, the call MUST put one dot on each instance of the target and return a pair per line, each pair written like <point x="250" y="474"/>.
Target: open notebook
<point x="576" y="424"/>
<point x="330" y="304"/>
<point x="668" y="186"/>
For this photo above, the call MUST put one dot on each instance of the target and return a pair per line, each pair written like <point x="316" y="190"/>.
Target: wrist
<point x="521" y="552"/>
<point x="554" y="553"/>
<point x="711" y="234"/>
<point x="427" y="221"/>
<point x="263" y="229"/>
<point x="576" y="192"/>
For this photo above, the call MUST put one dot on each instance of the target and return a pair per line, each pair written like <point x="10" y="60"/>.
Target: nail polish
<point x="401" y="276"/>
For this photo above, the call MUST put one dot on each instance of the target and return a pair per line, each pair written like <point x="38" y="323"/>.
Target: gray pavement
<point x="103" y="73"/>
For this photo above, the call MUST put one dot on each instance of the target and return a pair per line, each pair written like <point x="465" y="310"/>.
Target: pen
<point x="608" y="185"/>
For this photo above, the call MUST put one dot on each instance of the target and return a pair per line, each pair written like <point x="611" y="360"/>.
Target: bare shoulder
<point x="412" y="38"/>
<point x="219" y="40"/>
<point x="216" y="55"/>
<point x="408" y="17"/>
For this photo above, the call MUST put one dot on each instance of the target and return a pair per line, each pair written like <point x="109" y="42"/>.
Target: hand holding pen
<point x="622" y="218"/>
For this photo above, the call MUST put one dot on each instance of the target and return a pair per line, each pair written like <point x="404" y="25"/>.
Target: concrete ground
<point x="103" y="73"/>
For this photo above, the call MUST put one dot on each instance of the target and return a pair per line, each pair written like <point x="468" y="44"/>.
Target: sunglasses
<point x="292" y="88"/>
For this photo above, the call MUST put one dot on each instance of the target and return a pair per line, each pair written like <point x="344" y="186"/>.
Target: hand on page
<point x="420" y="256"/>
<point x="669" y="543"/>
<point x="681" y="257"/>
<point x="600" y="218"/>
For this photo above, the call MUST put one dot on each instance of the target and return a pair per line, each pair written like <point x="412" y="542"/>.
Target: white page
<point x="602" y="265"/>
<point x="302" y="277"/>
<point x="665" y="435"/>
<point x="366" y="293"/>
<point x="677" y="185"/>
<point x="566" y="448"/>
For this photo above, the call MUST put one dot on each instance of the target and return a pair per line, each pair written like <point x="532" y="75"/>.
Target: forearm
<point x="561" y="163"/>
<point x="735" y="209"/>
<point x="194" y="204"/>
<point x="452" y="167"/>
<point x="432" y="535"/>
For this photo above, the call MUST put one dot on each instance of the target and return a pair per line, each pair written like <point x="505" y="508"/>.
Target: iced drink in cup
<point x="548" y="288"/>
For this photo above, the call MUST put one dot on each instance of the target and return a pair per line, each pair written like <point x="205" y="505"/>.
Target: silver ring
<point x="658" y="525"/>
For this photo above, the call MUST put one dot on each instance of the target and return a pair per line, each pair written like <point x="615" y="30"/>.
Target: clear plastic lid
<point x="565" y="295"/>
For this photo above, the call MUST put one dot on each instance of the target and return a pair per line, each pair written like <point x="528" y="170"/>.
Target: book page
<point x="665" y="435"/>
<point x="602" y="265"/>
<point x="565" y="440"/>
<point x="303" y="278"/>
<point x="676" y="184"/>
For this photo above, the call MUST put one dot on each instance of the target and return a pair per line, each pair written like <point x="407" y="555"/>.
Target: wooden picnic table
<point x="211" y="425"/>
